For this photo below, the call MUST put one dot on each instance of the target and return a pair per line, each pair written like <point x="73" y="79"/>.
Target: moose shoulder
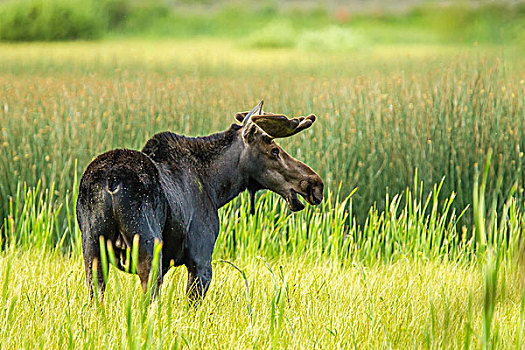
<point x="170" y="192"/>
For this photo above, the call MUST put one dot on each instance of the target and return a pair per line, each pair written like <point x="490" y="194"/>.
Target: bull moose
<point x="170" y="192"/>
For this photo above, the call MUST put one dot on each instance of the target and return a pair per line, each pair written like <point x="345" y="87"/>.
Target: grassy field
<point x="383" y="112"/>
<point x="417" y="244"/>
<point x="293" y="304"/>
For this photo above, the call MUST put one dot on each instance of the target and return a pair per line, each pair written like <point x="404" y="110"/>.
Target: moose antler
<point x="275" y="125"/>
<point x="245" y="117"/>
<point x="278" y="125"/>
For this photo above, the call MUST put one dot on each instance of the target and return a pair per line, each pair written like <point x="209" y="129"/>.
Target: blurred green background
<point x="337" y="24"/>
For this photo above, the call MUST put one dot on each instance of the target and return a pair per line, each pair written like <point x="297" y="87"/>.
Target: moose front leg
<point x="201" y="236"/>
<point x="199" y="278"/>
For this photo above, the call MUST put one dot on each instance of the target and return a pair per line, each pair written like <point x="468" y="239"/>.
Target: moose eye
<point x="275" y="152"/>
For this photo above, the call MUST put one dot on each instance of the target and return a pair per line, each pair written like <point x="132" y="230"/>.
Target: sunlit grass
<point x="408" y="278"/>
<point x="296" y="303"/>
<point x="417" y="242"/>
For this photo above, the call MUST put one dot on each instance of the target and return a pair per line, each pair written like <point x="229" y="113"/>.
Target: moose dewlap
<point x="170" y="192"/>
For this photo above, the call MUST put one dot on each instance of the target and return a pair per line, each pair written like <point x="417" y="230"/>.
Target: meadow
<point x="384" y="111"/>
<point x="417" y="242"/>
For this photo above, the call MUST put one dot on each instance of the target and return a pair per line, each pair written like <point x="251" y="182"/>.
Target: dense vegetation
<point x="409" y="277"/>
<point x="421" y="148"/>
<point x="382" y="115"/>
<point x="388" y="123"/>
<point x="261" y="24"/>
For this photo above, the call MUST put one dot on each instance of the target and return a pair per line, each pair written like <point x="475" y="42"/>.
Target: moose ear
<point x="240" y="116"/>
<point x="279" y="126"/>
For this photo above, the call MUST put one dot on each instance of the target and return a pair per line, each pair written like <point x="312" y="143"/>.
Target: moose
<point x="170" y="193"/>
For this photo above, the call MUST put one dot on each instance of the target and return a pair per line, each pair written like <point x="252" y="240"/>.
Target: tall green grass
<point x="412" y="275"/>
<point x="434" y="260"/>
<point x="52" y="20"/>
<point x="413" y="226"/>
<point x="294" y="303"/>
<point x="417" y="243"/>
<point x="381" y="116"/>
<point x="303" y="279"/>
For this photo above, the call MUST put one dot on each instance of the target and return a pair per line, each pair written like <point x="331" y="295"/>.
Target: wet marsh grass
<point x="312" y="303"/>
<point x="382" y="113"/>
<point x="416" y="245"/>
<point x="410" y="277"/>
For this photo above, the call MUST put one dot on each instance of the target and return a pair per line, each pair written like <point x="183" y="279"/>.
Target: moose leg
<point x="144" y="265"/>
<point x="92" y="263"/>
<point x="149" y="233"/>
<point x="146" y="222"/>
<point x="199" y="278"/>
<point x="199" y="251"/>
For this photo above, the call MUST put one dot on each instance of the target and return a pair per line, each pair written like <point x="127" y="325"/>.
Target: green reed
<point x="381" y="116"/>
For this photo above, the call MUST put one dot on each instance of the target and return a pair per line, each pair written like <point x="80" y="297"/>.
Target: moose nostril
<point x="315" y="192"/>
<point x="319" y="198"/>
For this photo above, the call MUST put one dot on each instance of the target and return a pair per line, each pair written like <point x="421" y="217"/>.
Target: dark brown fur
<point x="171" y="191"/>
<point x="166" y="146"/>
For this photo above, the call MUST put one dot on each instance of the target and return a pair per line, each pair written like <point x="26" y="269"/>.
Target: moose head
<point x="269" y="166"/>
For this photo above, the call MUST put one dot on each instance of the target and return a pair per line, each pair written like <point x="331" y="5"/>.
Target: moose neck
<point x="214" y="160"/>
<point x="223" y="173"/>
